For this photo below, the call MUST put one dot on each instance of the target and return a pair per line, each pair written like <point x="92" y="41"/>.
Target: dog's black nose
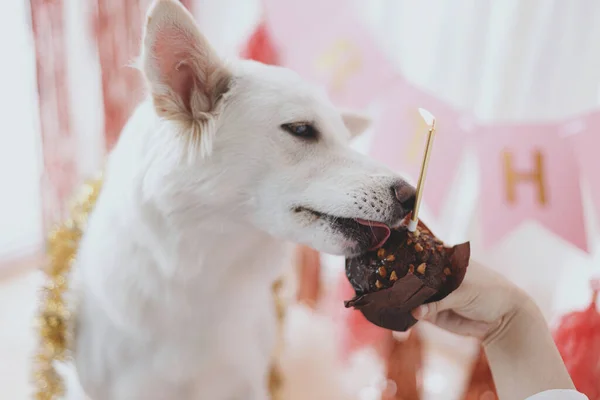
<point x="405" y="194"/>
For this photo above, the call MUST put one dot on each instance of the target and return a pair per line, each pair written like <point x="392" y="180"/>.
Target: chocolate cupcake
<point x="410" y="269"/>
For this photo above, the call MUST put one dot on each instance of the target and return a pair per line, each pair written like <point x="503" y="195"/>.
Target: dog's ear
<point x="355" y="122"/>
<point x="185" y="75"/>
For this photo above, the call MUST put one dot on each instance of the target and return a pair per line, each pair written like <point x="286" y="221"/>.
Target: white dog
<point x="213" y="174"/>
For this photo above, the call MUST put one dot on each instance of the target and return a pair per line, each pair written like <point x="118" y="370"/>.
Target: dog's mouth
<point x="368" y="234"/>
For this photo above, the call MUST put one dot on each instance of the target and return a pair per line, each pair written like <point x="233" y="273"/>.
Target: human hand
<point x="478" y="307"/>
<point x="518" y="344"/>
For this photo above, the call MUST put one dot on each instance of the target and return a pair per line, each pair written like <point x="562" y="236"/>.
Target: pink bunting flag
<point x="401" y="134"/>
<point x="584" y="136"/>
<point x="528" y="173"/>
<point x="326" y="43"/>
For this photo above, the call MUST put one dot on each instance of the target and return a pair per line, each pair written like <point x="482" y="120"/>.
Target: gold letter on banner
<point x="341" y="61"/>
<point x="536" y="176"/>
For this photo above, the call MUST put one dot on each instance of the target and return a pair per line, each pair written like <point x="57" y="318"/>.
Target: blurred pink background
<point x="508" y="61"/>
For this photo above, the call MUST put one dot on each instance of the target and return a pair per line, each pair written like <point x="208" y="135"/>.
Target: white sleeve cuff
<point x="558" y="394"/>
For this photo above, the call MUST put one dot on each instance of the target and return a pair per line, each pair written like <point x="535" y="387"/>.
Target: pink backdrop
<point x="340" y="54"/>
<point x="117" y="30"/>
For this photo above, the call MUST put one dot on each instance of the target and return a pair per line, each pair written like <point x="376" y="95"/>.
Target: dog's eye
<point x="301" y="130"/>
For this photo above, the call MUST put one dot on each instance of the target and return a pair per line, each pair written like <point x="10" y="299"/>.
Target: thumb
<point x="452" y="301"/>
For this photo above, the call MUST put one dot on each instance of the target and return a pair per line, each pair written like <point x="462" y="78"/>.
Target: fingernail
<point x="420" y="312"/>
<point x="401" y="336"/>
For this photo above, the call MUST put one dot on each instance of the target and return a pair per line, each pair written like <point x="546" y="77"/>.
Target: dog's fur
<point x="172" y="285"/>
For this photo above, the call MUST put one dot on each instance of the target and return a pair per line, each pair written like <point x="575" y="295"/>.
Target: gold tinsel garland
<point x="53" y="318"/>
